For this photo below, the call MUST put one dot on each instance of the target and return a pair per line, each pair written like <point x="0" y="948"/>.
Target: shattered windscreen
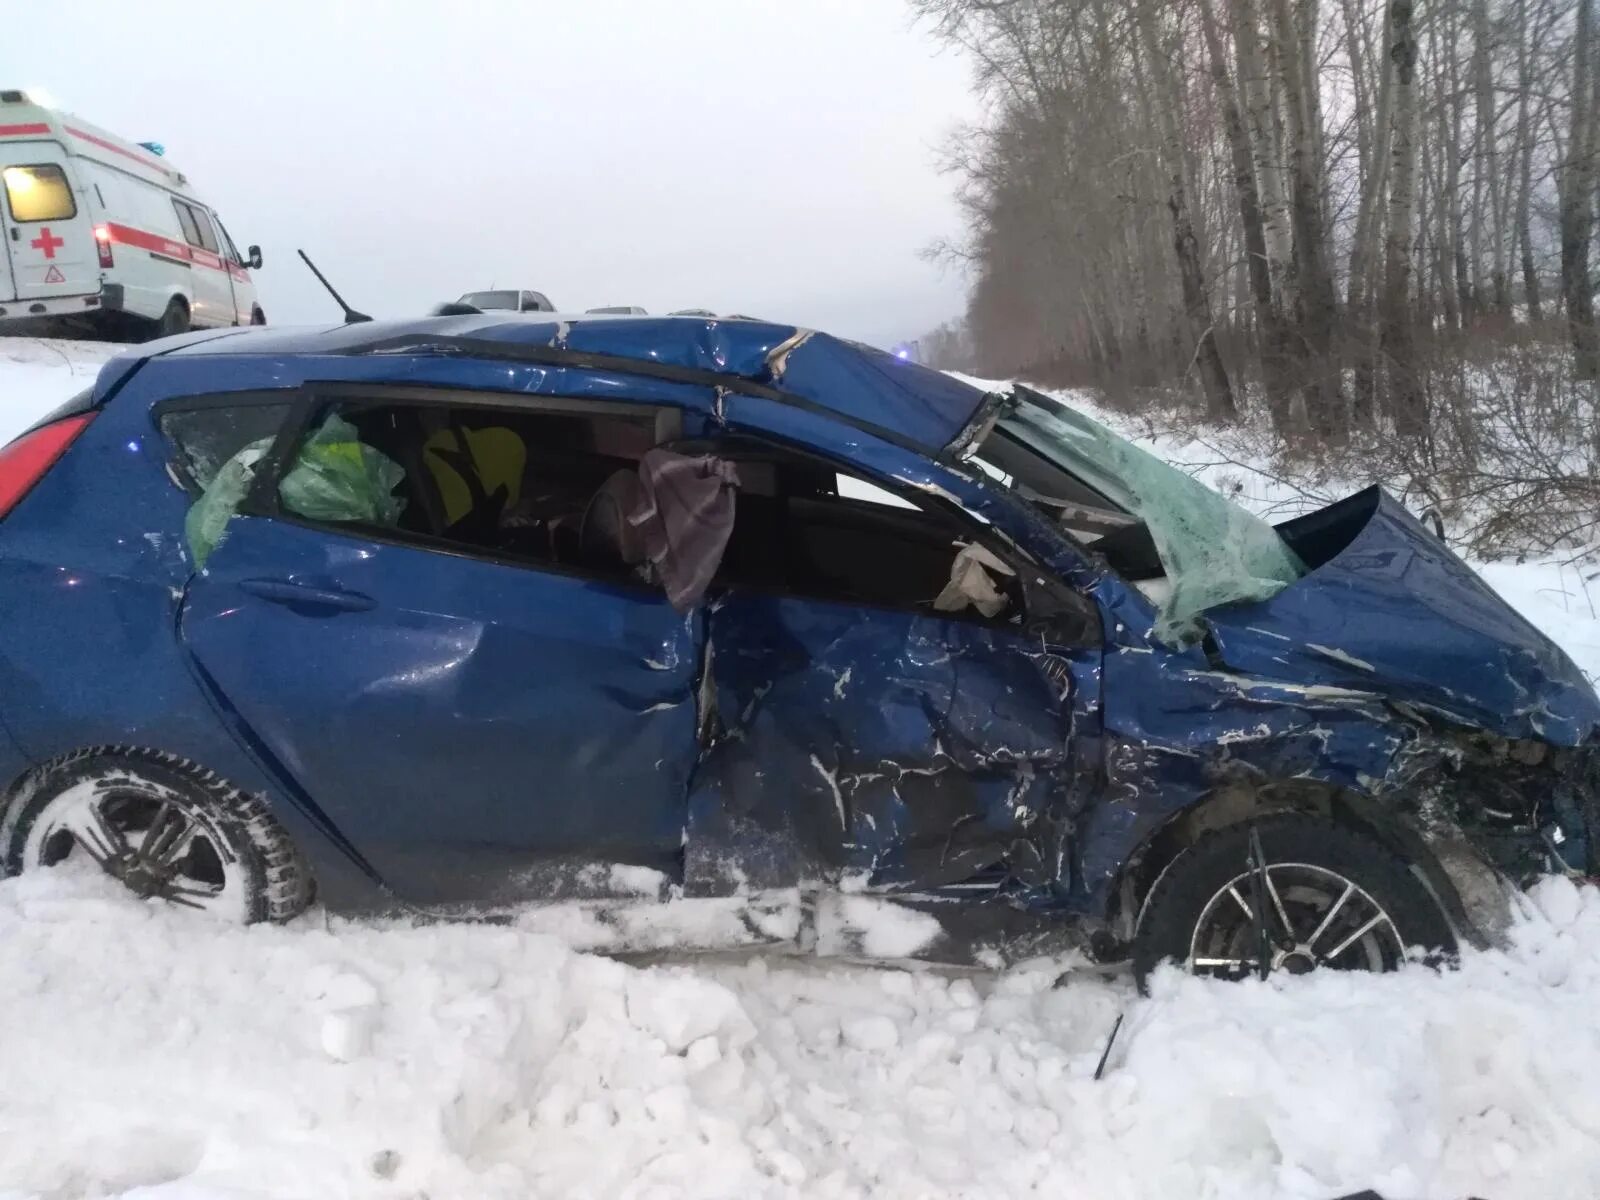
<point x="1189" y="548"/>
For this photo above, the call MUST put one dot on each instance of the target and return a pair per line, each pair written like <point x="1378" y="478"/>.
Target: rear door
<point x="482" y="727"/>
<point x="49" y="236"/>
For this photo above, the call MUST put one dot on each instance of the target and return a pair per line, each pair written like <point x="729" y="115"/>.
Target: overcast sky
<point x="770" y="157"/>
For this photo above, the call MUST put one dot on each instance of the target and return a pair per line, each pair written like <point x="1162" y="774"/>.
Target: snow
<point x="162" y="1055"/>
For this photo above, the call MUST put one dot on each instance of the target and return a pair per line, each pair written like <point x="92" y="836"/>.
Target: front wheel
<point x="1320" y="897"/>
<point x="164" y="828"/>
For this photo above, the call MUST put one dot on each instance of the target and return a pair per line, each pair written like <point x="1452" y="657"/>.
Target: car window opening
<point x="806" y="529"/>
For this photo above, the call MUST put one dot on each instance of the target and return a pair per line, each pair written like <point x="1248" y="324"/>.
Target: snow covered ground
<point x="148" y="1054"/>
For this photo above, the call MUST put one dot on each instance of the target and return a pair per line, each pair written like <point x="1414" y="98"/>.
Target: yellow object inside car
<point x="496" y="455"/>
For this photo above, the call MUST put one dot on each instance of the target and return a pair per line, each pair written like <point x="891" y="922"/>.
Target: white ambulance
<point x="108" y="233"/>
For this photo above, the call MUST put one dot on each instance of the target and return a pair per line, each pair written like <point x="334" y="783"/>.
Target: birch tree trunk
<point x="1269" y="321"/>
<point x="1577" y="201"/>
<point x="1523" y="220"/>
<point x="1245" y="23"/>
<point x="1214" y="382"/>
<point x="1318" y="309"/>
<point x="1359" y="317"/>
<point x="1406" y="402"/>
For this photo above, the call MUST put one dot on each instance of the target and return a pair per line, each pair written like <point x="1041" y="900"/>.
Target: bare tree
<point x="1406" y="402"/>
<point x="1577" y="200"/>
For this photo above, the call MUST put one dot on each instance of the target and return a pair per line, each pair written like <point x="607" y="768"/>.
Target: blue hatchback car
<point x="664" y="616"/>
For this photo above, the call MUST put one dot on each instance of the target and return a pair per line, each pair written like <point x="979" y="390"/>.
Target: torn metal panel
<point x="909" y="750"/>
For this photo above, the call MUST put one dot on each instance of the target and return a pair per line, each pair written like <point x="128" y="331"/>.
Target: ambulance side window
<point x="186" y="219"/>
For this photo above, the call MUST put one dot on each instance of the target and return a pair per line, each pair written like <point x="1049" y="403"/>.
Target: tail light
<point x="24" y="462"/>
<point x="102" y="244"/>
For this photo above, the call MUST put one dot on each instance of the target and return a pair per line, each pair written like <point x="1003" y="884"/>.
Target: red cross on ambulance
<point x="47" y="242"/>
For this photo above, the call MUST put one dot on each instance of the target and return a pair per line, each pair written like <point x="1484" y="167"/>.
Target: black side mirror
<point x="254" y="261"/>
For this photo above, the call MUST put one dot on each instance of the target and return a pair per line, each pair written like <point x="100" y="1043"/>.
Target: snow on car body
<point x="952" y="711"/>
<point x="99" y="228"/>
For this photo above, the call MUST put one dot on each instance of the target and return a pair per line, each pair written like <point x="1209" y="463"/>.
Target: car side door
<point x="483" y="721"/>
<point x="869" y="725"/>
<point x="213" y="294"/>
<point x="241" y="290"/>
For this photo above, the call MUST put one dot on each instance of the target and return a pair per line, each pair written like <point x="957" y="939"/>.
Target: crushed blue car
<point x="469" y="615"/>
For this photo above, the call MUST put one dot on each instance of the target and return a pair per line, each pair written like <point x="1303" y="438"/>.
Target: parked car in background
<point x="617" y="310"/>
<point x="106" y="233"/>
<point x="501" y="300"/>
<point x="453" y="616"/>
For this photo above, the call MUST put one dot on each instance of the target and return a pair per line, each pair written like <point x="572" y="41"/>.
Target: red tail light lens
<point x="24" y="462"/>
<point x="102" y="244"/>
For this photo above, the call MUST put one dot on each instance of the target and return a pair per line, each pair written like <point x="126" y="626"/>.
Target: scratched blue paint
<point x="434" y="748"/>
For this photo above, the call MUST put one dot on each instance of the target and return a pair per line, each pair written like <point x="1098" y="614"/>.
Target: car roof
<point x="863" y="386"/>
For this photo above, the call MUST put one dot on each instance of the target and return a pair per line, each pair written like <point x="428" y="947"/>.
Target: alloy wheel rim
<point x="1315" y="919"/>
<point x="155" y="847"/>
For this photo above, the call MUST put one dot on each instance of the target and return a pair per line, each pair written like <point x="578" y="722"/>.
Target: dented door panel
<point x="473" y="729"/>
<point x="884" y="749"/>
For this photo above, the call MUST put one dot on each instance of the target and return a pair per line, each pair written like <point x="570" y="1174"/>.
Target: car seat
<point x="606" y="537"/>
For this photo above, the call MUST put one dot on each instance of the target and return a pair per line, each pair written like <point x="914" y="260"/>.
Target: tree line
<point x="1301" y="200"/>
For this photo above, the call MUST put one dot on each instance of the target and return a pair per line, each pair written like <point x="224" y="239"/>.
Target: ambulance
<point x="105" y="232"/>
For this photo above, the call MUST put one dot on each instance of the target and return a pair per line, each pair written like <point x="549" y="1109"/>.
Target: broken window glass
<point x="1211" y="551"/>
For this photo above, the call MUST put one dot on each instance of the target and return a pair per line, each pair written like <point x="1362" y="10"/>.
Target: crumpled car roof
<point x="864" y="386"/>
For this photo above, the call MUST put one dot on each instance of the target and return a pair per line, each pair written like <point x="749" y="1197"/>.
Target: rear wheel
<point x="257" y="317"/>
<point x="1325" y="897"/>
<point x="164" y="828"/>
<point x="175" y="320"/>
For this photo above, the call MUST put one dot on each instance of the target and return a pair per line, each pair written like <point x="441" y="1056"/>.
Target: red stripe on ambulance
<point x="23" y="130"/>
<point x="144" y="160"/>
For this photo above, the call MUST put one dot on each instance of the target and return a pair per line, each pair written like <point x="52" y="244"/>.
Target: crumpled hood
<point x="1388" y="608"/>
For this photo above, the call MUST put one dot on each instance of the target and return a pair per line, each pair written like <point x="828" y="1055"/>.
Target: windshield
<point x="491" y="300"/>
<point x="1189" y="548"/>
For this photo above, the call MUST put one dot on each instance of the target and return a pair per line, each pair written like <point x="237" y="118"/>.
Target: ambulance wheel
<point x="257" y="317"/>
<point x="175" y="320"/>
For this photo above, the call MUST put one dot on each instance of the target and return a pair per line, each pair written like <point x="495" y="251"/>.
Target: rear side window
<point x="205" y="438"/>
<point x="186" y="221"/>
<point x="39" y="193"/>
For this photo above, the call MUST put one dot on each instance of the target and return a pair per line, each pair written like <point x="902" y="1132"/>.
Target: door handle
<point x="16" y="234"/>
<point x="281" y="591"/>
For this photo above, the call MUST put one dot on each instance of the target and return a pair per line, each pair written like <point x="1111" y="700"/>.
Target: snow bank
<point x="36" y="374"/>
<point x="149" y="1053"/>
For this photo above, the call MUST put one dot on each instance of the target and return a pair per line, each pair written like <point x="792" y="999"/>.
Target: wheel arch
<point x="1441" y="857"/>
<point x="338" y="883"/>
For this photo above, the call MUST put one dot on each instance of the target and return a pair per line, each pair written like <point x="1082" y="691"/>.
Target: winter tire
<point x="175" y="320"/>
<point x="1329" y="897"/>
<point x="257" y="317"/>
<point x="164" y="827"/>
